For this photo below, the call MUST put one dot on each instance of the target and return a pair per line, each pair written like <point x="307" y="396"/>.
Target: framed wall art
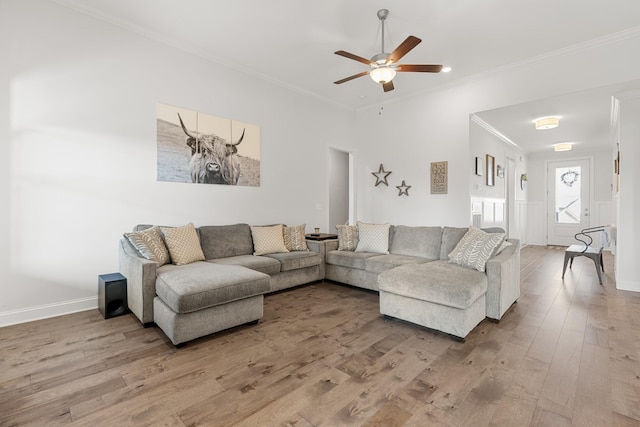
<point x="491" y="170"/>
<point x="199" y="148"/>
<point x="479" y="166"/>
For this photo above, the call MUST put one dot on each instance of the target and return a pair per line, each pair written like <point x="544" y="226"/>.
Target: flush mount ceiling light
<point x="564" y="146"/>
<point x="547" y="123"/>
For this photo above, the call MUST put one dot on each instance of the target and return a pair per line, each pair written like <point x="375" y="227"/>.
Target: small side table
<point x="321" y="236"/>
<point x="578" y="250"/>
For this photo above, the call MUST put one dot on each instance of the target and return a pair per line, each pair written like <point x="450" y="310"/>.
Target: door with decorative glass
<point x="568" y="200"/>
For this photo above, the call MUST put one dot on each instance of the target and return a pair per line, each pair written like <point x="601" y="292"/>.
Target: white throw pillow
<point x="268" y="239"/>
<point x="373" y="238"/>
<point x="475" y="248"/>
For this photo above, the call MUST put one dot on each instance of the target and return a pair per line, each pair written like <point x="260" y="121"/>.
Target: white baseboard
<point x="46" y="311"/>
<point x="628" y="285"/>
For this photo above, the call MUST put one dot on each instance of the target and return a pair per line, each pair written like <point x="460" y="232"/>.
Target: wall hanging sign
<point x="491" y="170"/>
<point x="204" y="149"/>
<point x="439" y="177"/>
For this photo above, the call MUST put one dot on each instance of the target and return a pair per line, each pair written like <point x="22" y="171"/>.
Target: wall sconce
<point x="523" y="181"/>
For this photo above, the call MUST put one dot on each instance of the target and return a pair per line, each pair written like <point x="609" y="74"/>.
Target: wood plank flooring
<point x="568" y="353"/>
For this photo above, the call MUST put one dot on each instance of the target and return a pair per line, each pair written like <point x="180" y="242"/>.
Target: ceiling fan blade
<point x="403" y="49"/>
<point x="355" y="76"/>
<point x="354" y="57"/>
<point x="420" y="68"/>
<point x="388" y="86"/>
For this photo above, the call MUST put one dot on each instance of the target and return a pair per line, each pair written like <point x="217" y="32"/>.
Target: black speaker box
<point x="112" y="295"/>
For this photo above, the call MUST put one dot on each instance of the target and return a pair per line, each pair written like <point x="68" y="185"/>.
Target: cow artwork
<point x="204" y="149"/>
<point x="213" y="160"/>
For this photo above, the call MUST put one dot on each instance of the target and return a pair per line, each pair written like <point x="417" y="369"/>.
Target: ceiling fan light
<point x="564" y="146"/>
<point x="547" y="123"/>
<point x="382" y="74"/>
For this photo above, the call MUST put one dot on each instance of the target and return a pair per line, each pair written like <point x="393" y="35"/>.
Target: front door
<point x="568" y="200"/>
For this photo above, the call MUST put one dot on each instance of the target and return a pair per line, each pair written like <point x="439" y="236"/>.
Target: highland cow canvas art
<point x="204" y="149"/>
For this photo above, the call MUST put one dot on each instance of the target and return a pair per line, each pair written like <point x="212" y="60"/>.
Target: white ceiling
<point x="291" y="42"/>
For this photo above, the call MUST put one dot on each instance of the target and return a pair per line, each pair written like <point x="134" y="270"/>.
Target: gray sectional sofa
<point x="417" y="283"/>
<point x="223" y="291"/>
<point x="414" y="279"/>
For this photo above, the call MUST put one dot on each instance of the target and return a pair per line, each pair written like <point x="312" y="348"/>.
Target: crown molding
<point x="493" y="131"/>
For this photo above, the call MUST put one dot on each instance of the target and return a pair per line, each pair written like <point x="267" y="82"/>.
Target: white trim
<point x="46" y="311"/>
<point x="493" y="131"/>
<point x="627" y="285"/>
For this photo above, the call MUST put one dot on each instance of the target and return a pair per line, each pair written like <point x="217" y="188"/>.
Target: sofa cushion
<point x="150" y="245"/>
<point x="450" y="238"/>
<point x="268" y="239"/>
<point x="475" y="248"/>
<point x="347" y="237"/>
<point x="422" y="242"/>
<point x="373" y="238"/>
<point x="262" y="264"/>
<point x="183" y="244"/>
<point x="380" y="263"/>
<point x="294" y="238"/>
<point x="297" y="259"/>
<point x="439" y="281"/>
<point x="223" y="241"/>
<point x="349" y="259"/>
<point x="200" y="285"/>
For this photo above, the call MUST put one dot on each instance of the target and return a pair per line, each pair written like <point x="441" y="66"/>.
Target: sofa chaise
<point x="222" y="288"/>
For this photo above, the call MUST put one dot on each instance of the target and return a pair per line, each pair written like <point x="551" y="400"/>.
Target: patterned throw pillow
<point x="475" y="248"/>
<point x="294" y="238"/>
<point x="373" y="238"/>
<point x="183" y="243"/>
<point x="268" y="239"/>
<point x="347" y="237"/>
<point x="149" y="244"/>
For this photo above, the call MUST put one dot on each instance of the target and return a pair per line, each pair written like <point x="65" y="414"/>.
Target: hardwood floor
<point x="568" y="353"/>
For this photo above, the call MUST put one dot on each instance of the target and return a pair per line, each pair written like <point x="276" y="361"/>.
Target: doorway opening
<point x="341" y="188"/>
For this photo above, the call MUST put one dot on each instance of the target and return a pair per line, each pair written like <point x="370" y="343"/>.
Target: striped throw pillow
<point x="149" y="244"/>
<point x="475" y="248"/>
<point x="294" y="238"/>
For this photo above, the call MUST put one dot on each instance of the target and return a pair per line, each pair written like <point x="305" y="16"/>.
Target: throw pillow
<point x="373" y="238"/>
<point x="149" y="244"/>
<point x="475" y="248"/>
<point x="294" y="238"/>
<point x="268" y="239"/>
<point x="183" y="243"/>
<point x="347" y="237"/>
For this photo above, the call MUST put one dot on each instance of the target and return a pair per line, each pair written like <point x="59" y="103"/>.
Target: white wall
<point x="627" y="265"/>
<point x="78" y="151"/>
<point x="434" y="126"/>
<point x="481" y="143"/>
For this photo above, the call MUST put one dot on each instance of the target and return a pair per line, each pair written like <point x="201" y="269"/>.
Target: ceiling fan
<point x="384" y="66"/>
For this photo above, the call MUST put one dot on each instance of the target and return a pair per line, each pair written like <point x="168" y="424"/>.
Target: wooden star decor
<point x="381" y="176"/>
<point x="404" y="189"/>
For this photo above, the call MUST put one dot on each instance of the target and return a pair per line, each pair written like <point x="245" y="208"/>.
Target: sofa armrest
<point x="331" y="245"/>
<point x="319" y="247"/>
<point x="503" y="280"/>
<point x="141" y="281"/>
